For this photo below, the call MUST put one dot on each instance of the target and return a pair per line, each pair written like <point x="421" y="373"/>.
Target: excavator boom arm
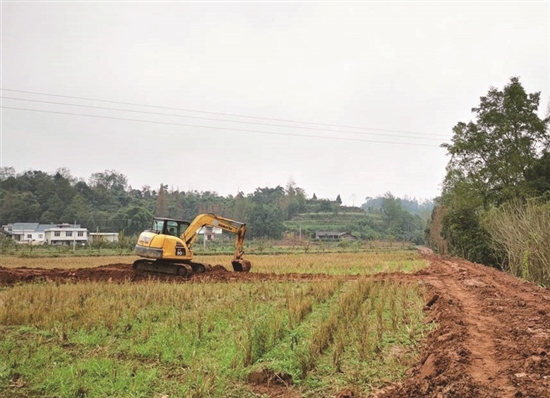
<point x="190" y="235"/>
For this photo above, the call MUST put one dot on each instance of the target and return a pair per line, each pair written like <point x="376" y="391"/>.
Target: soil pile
<point x="123" y="273"/>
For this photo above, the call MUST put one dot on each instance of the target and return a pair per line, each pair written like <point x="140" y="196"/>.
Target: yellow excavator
<point x="166" y="248"/>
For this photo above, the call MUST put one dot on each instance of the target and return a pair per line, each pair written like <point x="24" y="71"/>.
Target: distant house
<point x="53" y="234"/>
<point x="105" y="236"/>
<point x="66" y="234"/>
<point x="210" y="232"/>
<point x="31" y="233"/>
<point x="24" y="232"/>
<point x="334" y="236"/>
<point x="41" y="232"/>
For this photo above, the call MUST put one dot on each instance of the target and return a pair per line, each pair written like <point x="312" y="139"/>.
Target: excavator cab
<point x="168" y="226"/>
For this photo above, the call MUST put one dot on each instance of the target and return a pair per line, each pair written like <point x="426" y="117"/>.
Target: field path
<point x="493" y="335"/>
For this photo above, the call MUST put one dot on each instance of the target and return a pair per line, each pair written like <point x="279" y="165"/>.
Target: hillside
<point x="353" y="222"/>
<point x="391" y="223"/>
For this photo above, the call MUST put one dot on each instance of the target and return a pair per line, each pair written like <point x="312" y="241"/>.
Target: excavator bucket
<point x="241" y="265"/>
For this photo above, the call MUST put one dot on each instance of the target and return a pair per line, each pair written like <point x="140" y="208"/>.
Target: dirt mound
<point x="123" y="273"/>
<point x="112" y="273"/>
<point x="492" y="339"/>
<point x="266" y="382"/>
<point x="268" y="376"/>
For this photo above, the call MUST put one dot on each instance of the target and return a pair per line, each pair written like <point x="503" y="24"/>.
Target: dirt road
<point x="493" y="337"/>
<point x="492" y="340"/>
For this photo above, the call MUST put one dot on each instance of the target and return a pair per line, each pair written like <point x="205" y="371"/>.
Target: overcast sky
<point x="402" y="74"/>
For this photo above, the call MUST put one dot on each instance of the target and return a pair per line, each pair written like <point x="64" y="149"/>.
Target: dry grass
<point x="521" y="231"/>
<point x="360" y="263"/>
<point x="63" y="262"/>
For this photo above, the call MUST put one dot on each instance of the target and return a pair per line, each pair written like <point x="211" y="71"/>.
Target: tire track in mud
<point x="483" y="364"/>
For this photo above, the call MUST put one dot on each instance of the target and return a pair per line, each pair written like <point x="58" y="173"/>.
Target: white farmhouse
<point x="31" y="233"/>
<point x="66" y="234"/>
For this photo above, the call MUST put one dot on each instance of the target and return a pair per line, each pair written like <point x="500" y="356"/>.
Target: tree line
<point x="403" y="219"/>
<point x="107" y="203"/>
<point x="495" y="204"/>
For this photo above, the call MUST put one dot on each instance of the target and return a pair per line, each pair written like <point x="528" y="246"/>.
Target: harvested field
<point x="492" y="337"/>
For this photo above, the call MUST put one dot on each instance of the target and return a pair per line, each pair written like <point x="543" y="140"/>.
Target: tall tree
<point x="293" y="201"/>
<point x="109" y="179"/>
<point x="77" y="210"/>
<point x="6" y="172"/>
<point x="266" y="221"/>
<point x="162" y="203"/>
<point x="495" y="152"/>
<point x="539" y="176"/>
<point x="492" y="161"/>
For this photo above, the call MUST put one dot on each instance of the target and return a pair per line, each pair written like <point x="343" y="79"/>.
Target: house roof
<point x="332" y="233"/>
<point x="42" y="227"/>
<point x="36" y="227"/>
<point x="71" y="228"/>
<point x="24" y="226"/>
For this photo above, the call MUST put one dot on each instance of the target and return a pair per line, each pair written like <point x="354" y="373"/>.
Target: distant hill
<point x="359" y="223"/>
<point x="387" y="218"/>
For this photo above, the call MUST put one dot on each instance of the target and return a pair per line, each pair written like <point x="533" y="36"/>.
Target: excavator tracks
<point x="163" y="267"/>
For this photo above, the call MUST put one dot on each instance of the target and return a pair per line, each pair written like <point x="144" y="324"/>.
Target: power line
<point x="224" y="114"/>
<point x="218" y="128"/>
<point x="216" y="120"/>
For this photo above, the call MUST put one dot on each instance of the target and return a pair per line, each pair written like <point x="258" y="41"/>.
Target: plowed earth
<point x="492" y="339"/>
